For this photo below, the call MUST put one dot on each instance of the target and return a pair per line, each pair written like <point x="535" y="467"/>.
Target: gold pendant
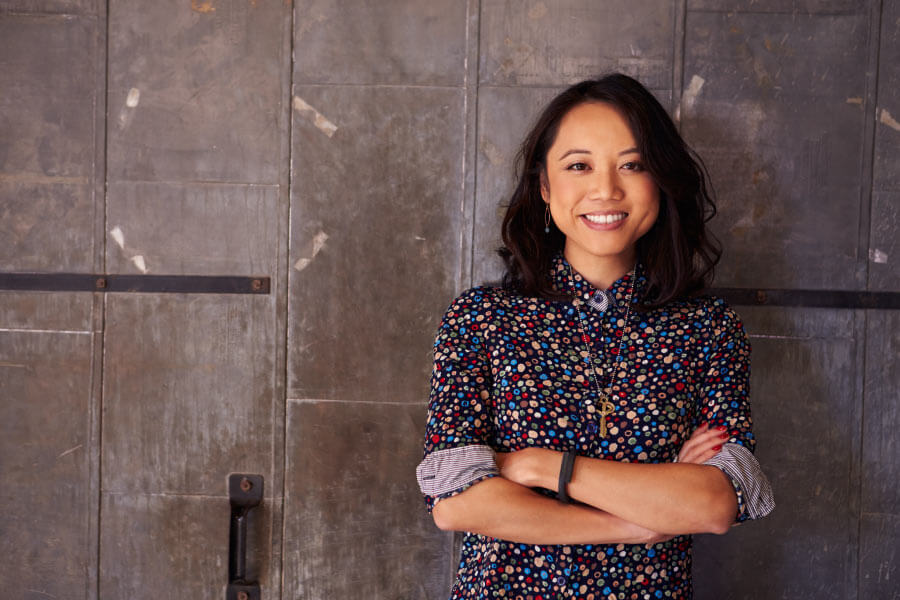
<point x="606" y="408"/>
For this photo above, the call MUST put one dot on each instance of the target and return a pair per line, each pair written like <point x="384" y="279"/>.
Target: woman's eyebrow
<point x="573" y="151"/>
<point x="632" y="150"/>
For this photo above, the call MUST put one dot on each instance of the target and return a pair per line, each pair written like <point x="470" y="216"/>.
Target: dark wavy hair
<point x="677" y="254"/>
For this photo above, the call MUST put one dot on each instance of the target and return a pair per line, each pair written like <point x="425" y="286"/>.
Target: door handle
<point x="244" y="492"/>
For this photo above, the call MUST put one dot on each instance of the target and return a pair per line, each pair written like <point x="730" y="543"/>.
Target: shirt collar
<point x="618" y="292"/>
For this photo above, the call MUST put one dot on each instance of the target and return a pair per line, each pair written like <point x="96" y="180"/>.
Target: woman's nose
<point x="605" y="185"/>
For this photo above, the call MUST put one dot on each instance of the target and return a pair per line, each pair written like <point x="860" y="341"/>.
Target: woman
<point x="592" y="413"/>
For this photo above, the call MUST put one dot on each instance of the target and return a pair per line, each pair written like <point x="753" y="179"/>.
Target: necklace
<point x="606" y="406"/>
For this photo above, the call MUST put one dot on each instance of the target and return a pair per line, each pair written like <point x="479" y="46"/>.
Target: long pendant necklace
<point x="606" y="405"/>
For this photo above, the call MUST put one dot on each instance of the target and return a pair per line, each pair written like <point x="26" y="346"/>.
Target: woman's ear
<point x="545" y="188"/>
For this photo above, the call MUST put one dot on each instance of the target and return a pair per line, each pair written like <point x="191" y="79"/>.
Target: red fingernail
<point x="723" y="435"/>
<point x="722" y="428"/>
<point x="717" y="447"/>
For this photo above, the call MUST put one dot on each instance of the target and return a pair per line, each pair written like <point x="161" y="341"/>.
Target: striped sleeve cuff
<point x="752" y="486"/>
<point x="453" y="469"/>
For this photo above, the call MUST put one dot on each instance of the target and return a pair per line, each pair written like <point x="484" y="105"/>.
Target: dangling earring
<point x="547" y="218"/>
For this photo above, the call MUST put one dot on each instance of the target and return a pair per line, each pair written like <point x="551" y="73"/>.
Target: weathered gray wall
<point x="358" y="153"/>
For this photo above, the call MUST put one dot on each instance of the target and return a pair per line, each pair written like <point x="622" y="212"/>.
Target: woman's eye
<point x="633" y="166"/>
<point x="579" y="166"/>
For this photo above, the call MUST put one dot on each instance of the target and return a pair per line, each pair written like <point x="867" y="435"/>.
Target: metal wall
<point x="358" y="154"/>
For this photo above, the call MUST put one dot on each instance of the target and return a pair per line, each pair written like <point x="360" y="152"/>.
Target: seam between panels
<point x="876" y="13"/>
<point x="867" y="160"/>
<point x="287" y="180"/>
<point x="679" y="38"/>
<point x="470" y="157"/>
<point x="865" y="231"/>
<point x="98" y="350"/>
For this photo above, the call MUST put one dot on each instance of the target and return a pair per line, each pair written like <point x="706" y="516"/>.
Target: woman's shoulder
<point x="704" y="309"/>
<point x="485" y="300"/>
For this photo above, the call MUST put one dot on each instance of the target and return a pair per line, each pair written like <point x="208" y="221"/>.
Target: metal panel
<point x="879" y="558"/>
<point x="46" y="137"/>
<point x="504" y="115"/>
<point x="188" y="392"/>
<point x="881" y="444"/>
<point x="355" y="523"/>
<point x="192" y="229"/>
<point x="80" y="7"/>
<point x="779" y="6"/>
<point x="45" y="499"/>
<point x="805" y="406"/>
<point x="376" y="227"/>
<point x="556" y="43"/>
<point x="195" y="90"/>
<point x="385" y="42"/>
<point x="45" y="311"/>
<point x="775" y="106"/>
<point x="884" y="249"/>
<point x="176" y="546"/>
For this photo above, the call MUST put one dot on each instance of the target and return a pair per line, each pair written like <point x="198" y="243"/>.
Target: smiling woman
<point x="597" y="373"/>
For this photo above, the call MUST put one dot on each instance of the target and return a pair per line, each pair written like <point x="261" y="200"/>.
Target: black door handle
<point x="244" y="492"/>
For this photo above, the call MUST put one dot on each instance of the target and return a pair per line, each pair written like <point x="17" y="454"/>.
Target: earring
<point x="547" y="219"/>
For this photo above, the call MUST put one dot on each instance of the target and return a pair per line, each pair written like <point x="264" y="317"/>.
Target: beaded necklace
<point x="606" y="406"/>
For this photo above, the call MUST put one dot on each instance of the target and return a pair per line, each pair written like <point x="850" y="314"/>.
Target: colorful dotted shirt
<point x="511" y="372"/>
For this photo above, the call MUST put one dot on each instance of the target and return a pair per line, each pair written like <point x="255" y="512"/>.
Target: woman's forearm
<point x="672" y="498"/>
<point x="500" y="508"/>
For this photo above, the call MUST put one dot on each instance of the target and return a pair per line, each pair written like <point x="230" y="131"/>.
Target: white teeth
<point x="605" y="219"/>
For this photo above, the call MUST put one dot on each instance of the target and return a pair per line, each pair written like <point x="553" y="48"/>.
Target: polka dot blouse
<point x="510" y="372"/>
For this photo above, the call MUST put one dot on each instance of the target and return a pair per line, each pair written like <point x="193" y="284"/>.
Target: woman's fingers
<point x="703" y="444"/>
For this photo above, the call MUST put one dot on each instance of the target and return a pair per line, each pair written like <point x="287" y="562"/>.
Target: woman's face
<point x="600" y="196"/>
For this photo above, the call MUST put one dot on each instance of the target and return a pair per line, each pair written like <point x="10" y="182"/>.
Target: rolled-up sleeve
<point x="458" y="430"/>
<point x="724" y="397"/>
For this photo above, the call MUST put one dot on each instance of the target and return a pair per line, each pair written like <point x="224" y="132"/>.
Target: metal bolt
<point x="243" y="596"/>
<point x="256" y="285"/>
<point x="100" y="283"/>
<point x="246" y="485"/>
<point x="761" y="297"/>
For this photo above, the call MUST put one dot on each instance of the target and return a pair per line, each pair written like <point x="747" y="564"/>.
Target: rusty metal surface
<point x="806" y="402"/>
<point x="778" y="114"/>
<point x="557" y="43"/>
<point x="375" y="236"/>
<point x="46" y="137"/>
<point x="176" y="545"/>
<point x="390" y="42"/>
<point x="44" y="462"/>
<point x="69" y="7"/>
<point x="355" y="522"/>
<point x="188" y="392"/>
<point x="195" y="90"/>
<point x="193" y="229"/>
<point x="884" y="247"/>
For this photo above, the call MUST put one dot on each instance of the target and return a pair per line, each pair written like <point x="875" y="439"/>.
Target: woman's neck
<point x="600" y="272"/>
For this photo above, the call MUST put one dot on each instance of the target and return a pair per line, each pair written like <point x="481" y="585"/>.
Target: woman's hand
<point x="703" y="444"/>
<point x="531" y="467"/>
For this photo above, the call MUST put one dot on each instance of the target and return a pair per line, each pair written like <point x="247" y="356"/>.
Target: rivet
<point x="256" y="285"/>
<point x="243" y="596"/>
<point x="246" y="485"/>
<point x="100" y="283"/>
<point x="761" y="296"/>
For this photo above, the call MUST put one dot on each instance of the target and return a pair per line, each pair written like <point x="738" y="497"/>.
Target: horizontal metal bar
<point x="178" y="284"/>
<point x="810" y="298"/>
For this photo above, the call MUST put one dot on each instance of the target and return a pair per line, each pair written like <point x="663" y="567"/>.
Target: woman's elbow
<point x="722" y="513"/>
<point x="444" y="515"/>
